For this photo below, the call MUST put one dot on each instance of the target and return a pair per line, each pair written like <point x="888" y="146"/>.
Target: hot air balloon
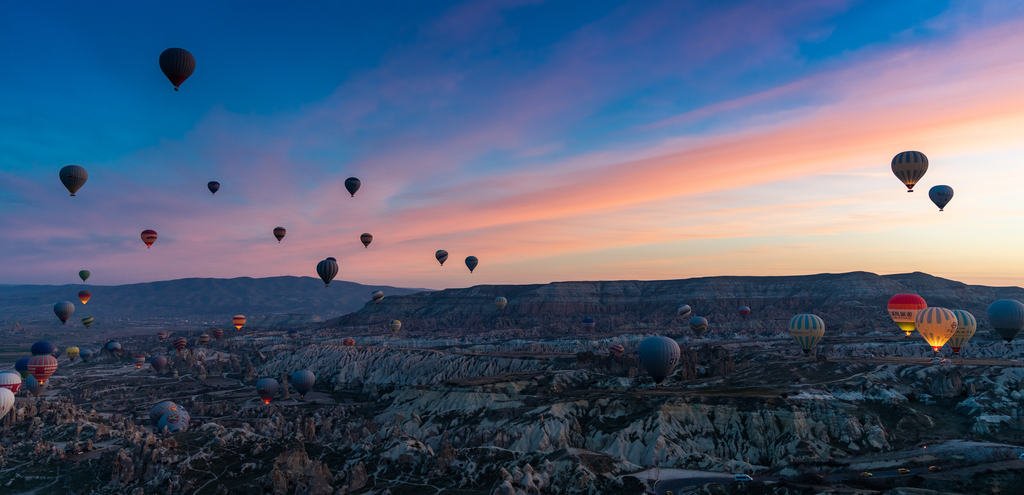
<point x="1007" y="317"/>
<point x="6" y="402"/>
<point x="807" y="331"/>
<point x="139" y="360"/>
<point x="21" y="366"/>
<point x="204" y="339"/>
<point x="500" y="302"/>
<point x="471" y="263"/>
<point x="177" y="64"/>
<point x="903" y="309"/>
<point x="327" y="269"/>
<point x="72" y="352"/>
<point x="216" y="333"/>
<point x="303" y="381"/>
<point x="180" y="343"/>
<point x="441" y="256"/>
<point x="213" y="186"/>
<point x="684" y="310"/>
<point x="659" y="356"/>
<point x="699" y="325"/>
<point x="56" y="353"/>
<point x="148" y="237"/>
<point x="84" y="296"/>
<point x="966" y="325"/>
<point x="84" y="274"/>
<point x="377" y="296"/>
<point x="940" y="195"/>
<point x="33" y="387"/>
<point x="10" y="380"/>
<point x="114" y="346"/>
<point x="42" y="348"/>
<point x="616" y="350"/>
<point x="588" y="324"/>
<point x="279" y="233"/>
<point x="42" y="367"/>
<point x="267" y="388"/>
<point x="158" y="363"/>
<point x="352" y="184"/>
<point x="293" y="334"/>
<point x="331" y="258"/>
<point x="88" y="321"/>
<point x="161" y="409"/>
<point x="238" y="320"/>
<point x="349" y="342"/>
<point x="744" y="311"/>
<point x="73" y="177"/>
<point x="174" y="422"/>
<point x="160" y="336"/>
<point x="936" y="325"/>
<point x="366" y="239"/>
<point x="909" y="167"/>
<point x="64" y="310"/>
<point x="395" y="326"/>
<point x="85" y="354"/>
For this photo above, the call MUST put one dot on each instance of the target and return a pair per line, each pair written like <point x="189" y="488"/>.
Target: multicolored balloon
<point x="395" y="326"/>
<point x="471" y="263"/>
<point x="160" y="336"/>
<point x="64" y="310"/>
<point x="279" y="233"/>
<point x="966" y="326"/>
<point x="88" y="321"/>
<point x="238" y="321"/>
<point x="349" y="342"/>
<point x="684" y="310"/>
<point x="500" y="302"/>
<point x="180" y="343"/>
<point x="204" y="339"/>
<point x="744" y="311"/>
<point x="659" y="356"/>
<point x="589" y="324"/>
<point x="217" y="333"/>
<point x="148" y="237"/>
<point x="352" y="185"/>
<point x="175" y="422"/>
<point x="909" y="167"/>
<point x="73" y="177"/>
<point x="267" y="389"/>
<point x="377" y="296"/>
<point x="807" y="330"/>
<point x="327" y="269"/>
<point x="293" y="334"/>
<point x="441" y="256"/>
<point x="366" y="239"/>
<point x="616" y="350"/>
<point x="303" y="381"/>
<point x="699" y="325"/>
<point x="84" y="296"/>
<point x="177" y="64"/>
<point x="10" y="380"/>
<point x="903" y="309"/>
<point x="940" y="195"/>
<point x="139" y="360"/>
<point x="936" y="326"/>
<point x="161" y="409"/>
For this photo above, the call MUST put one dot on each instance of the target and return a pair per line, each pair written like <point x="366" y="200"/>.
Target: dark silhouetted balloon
<point x="85" y="354"/>
<point x="293" y="334"/>
<point x="589" y="324"/>
<point x="42" y="348"/>
<point x="114" y="346"/>
<point x="659" y="356"/>
<point x="471" y="263"/>
<point x="267" y="389"/>
<point x="441" y="256"/>
<point x="699" y="325"/>
<point x="500" y="302"/>
<point x="148" y="237"/>
<point x="366" y="239"/>
<point x="73" y="177"/>
<point x="303" y="381"/>
<point x="279" y="233"/>
<point x="909" y="167"/>
<point x="34" y="387"/>
<point x="327" y="269"/>
<point x="21" y="366"/>
<point x="64" y="310"/>
<point x="158" y="363"/>
<point x="352" y="184"/>
<point x="1007" y="317"/>
<point x="213" y="186"/>
<point x="940" y="195"/>
<point x="84" y="274"/>
<point x="216" y="333"/>
<point x="139" y="360"/>
<point x="177" y="64"/>
<point x="88" y="321"/>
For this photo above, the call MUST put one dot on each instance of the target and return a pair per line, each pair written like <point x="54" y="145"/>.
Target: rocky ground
<point x="522" y="416"/>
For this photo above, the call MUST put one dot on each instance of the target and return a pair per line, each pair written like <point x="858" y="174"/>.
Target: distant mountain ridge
<point x="202" y="301"/>
<point x="847" y="300"/>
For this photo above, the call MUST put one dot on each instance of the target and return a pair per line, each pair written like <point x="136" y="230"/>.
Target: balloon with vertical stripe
<point x="966" y="325"/>
<point x="807" y="330"/>
<point x="936" y="326"/>
<point x="500" y="302"/>
<point x="64" y="310"/>
<point x="267" y="389"/>
<point x="366" y="239"/>
<point x="327" y="269"/>
<point x="303" y="381"/>
<point x="177" y="64"/>
<point x="395" y="326"/>
<point x="909" y="167"/>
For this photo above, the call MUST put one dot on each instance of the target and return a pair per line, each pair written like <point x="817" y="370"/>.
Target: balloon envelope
<point x="162" y="408"/>
<point x="148" y="237"/>
<point x="160" y="336"/>
<point x="500" y="302"/>
<point x="807" y="331"/>
<point x="6" y="402"/>
<point x="180" y="343"/>
<point x="72" y="352"/>
<point x="936" y="325"/>
<point x="204" y="339"/>
<point x="158" y="363"/>
<point x="293" y="334"/>
<point x="34" y="387"/>
<point x="377" y="296"/>
<point x="64" y="310"/>
<point x="84" y="274"/>
<point x="1007" y="317"/>
<point x="10" y="380"/>
<point x="349" y="341"/>
<point x="699" y="325"/>
<point x="441" y="256"/>
<point x="175" y="422"/>
<point x="139" y="360"/>
<point x="903" y="309"/>
<point x="940" y="195"/>
<point x="684" y="310"/>
<point x="216" y="333"/>
<point x="366" y="239"/>
<point x="352" y="185"/>
<point x="213" y="186"/>
<point x="327" y="269"/>
<point x="113" y="346"/>
<point x="267" y="389"/>
<point x="616" y="350"/>
<point x="88" y="321"/>
<point x="177" y="64"/>
<point x="85" y="354"/>
<point x="238" y="321"/>
<point x="471" y="263"/>
<point x="966" y="326"/>
<point x="21" y="366"/>
<point x="659" y="356"/>
<point x="42" y="367"/>
<point x="279" y="233"/>
<point x="744" y="311"/>
<point x="395" y="326"/>
<point x="73" y="177"/>
<point x="42" y="348"/>
<point x="909" y="167"/>
<point x="84" y="296"/>
<point x="589" y="324"/>
<point x="303" y="381"/>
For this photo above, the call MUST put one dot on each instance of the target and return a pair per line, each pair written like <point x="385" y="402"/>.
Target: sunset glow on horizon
<point x="644" y="140"/>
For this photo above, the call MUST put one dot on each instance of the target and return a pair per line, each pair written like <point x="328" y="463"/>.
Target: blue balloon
<point x="659" y="356"/>
<point x="42" y="348"/>
<point x="1007" y="317"/>
<point x="940" y="195"/>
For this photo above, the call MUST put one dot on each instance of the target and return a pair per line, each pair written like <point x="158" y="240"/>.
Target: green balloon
<point x="84" y="274"/>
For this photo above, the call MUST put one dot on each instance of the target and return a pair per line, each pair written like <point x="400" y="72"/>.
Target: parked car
<point x="743" y="477"/>
<point x="903" y="471"/>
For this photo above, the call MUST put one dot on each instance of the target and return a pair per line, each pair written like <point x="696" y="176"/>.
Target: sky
<point x="553" y="140"/>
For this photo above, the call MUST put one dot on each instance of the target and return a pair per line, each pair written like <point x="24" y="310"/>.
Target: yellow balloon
<point x="937" y="326"/>
<point x="72" y="352"/>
